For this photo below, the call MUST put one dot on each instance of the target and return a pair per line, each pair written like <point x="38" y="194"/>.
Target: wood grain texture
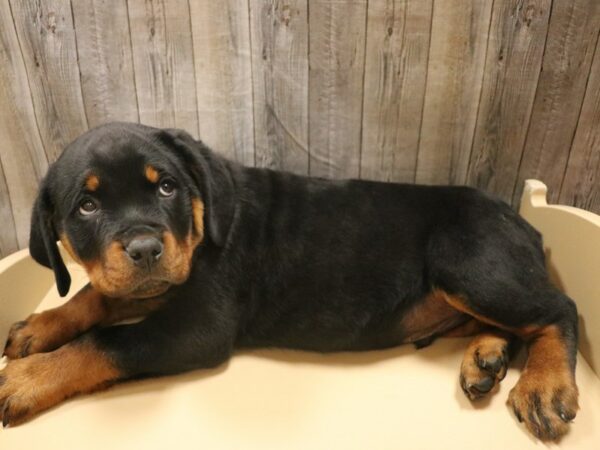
<point x="486" y="92"/>
<point x="581" y="185"/>
<point x="105" y="60"/>
<point x="221" y="39"/>
<point x="22" y="158"/>
<point x="454" y="77"/>
<point x="161" y="38"/>
<point x="514" y="55"/>
<point x="398" y="34"/>
<point x="279" y="35"/>
<point x="572" y="37"/>
<point x="337" y="34"/>
<point x="47" y="42"/>
<point x="8" y="235"/>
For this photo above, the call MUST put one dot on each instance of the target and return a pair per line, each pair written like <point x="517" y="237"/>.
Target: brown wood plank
<point x="572" y="37"/>
<point x="279" y="35"/>
<point x="337" y="34"/>
<point x="105" y="60"/>
<point x="581" y="185"/>
<point x="398" y="34"/>
<point x="163" y="58"/>
<point x="221" y="39"/>
<point x="22" y="158"/>
<point x="515" y="47"/>
<point x="47" y="41"/>
<point x="454" y="78"/>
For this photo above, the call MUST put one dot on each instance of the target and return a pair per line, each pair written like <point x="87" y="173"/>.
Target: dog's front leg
<point x="48" y="330"/>
<point x="169" y="341"/>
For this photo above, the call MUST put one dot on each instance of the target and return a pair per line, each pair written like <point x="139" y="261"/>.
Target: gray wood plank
<point x="515" y="47"/>
<point x="572" y="37"/>
<point x="337" y="34"/>
<point x="454" y="79"/>
<point x="279" y="35"/>
<point x="581" y="184"/>
<point x="398" y="35"/>
<point x="105" y="60"/>
<point x="163" y="58"/>
<point x="22" y="158"/>
<point x="221" y="39"/>
<point x="47" y="41"/>
<point x="8" y="233"/>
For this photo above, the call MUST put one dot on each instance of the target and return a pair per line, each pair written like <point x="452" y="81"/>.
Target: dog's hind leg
<point x="485" y="362"/>
<point x="490" y="264"/>
<point x="545" y="397"/>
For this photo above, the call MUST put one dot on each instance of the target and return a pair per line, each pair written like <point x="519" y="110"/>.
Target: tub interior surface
<point x="297" y="400"/>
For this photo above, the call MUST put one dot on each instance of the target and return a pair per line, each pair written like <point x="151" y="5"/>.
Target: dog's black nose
<point x="144" y="251"/>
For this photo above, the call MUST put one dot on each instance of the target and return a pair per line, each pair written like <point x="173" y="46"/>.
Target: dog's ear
<point x="212" y="177"/>
<point x="42" y="240"/>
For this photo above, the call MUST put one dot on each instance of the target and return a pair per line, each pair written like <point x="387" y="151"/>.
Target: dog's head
<point x="131" y="203"/>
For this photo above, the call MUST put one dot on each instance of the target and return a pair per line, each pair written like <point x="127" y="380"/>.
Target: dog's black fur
<point x="287" y="260"/>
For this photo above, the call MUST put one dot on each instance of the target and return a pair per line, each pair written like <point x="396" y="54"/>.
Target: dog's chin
<point x="149" y="288"/>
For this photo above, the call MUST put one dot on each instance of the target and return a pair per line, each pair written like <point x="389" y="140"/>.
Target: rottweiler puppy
<point x="219" y="257"/>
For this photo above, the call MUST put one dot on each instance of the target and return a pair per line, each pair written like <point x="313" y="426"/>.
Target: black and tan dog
<point x="220" y="257"/>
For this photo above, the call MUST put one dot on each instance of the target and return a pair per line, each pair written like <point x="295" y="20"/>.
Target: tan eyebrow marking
<point x="151" y="174"/>
<point x="92" y="182"/>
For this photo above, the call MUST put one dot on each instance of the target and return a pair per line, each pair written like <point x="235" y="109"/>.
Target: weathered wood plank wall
<point x="486" y="93"/>
<point x="398" y="38"/>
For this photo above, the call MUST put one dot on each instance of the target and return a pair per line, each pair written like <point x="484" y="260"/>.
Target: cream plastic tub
<point x="400" y="398"/>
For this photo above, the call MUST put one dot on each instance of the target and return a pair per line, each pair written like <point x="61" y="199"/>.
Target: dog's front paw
<point x="23" y="393"/>
<point x="35" y="383"/>
<point x="38" y="333"/>
<point x="545" y="402"/>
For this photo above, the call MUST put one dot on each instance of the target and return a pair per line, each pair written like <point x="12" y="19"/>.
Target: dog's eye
<point x="87" y="207"/>
<point x="166" y="188"/>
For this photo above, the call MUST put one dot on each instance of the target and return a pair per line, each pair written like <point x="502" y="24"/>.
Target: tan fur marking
<point x="112" y="274"/>
<point x="484" y="362"/>
<point x="526" y="333"/>
<point x="52" y="328"/>
<point x="198" y="214"/>
<point x="548" y="378"/>
<point x="43" y="380"/>
<point x="92" y="182"/>
<point x="548" y="353"/>
<point x="470" y="328"/>
<point x="151" y="174"/>
<point x="177" y="256"/>
<point x="430" y="316"/>
<point x="458" y="303"/>
<point x="69" y="247"/>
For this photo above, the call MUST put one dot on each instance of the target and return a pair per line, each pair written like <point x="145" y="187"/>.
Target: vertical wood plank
<point x="8" y="233"/>
<point x="47" y="40"/>
<point x="581" y="185"/>
<point x="22" y="158"/>
<point x="515" y="47"/>
<point x="398" y="34"/>
<point x="221" y="39"/>
<point x="454" y="77"/>
<point x="279" y="35"/>
<point x="161" y="37"/>
<point x="105" y="60"/>
<point x="337" y="34"/>
<point x="572" y="37"/>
